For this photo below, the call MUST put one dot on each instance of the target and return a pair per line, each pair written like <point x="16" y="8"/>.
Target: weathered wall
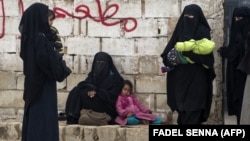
<point x="135" y="46"/>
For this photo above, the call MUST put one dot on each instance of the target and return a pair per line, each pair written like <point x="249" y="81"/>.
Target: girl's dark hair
<point x="129" y="83"/>
<point x="51" y="13"/>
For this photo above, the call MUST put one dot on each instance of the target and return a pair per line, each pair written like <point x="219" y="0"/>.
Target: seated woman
<point x="99" y="91"/>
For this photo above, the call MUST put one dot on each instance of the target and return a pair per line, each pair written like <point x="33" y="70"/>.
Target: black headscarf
<point x="238" y="34"/>
<point x="189" y="26"/>
<point x="102" y="67"/>
<point x="34" y="21"/>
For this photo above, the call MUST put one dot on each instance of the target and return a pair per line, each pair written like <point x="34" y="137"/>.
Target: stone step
<point x="11" y="131"/>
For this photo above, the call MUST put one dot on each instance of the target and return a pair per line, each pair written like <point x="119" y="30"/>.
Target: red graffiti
<point x="3" y="21"/>
<point x="103" y="17"/>
<point x="20" y="3"/>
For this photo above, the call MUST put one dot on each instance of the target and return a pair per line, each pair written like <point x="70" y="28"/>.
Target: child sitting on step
<point x="132" y="112"/>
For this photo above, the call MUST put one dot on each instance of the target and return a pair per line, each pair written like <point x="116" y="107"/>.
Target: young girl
<point x="133" y="112"/>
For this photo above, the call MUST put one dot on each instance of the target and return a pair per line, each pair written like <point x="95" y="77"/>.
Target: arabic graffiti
<point x="102" y="18"/>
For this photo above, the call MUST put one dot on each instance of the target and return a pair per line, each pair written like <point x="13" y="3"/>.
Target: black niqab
<point x="101" y="67"/>
<point x="187" y="28"/>
<point x="189" y="24"/>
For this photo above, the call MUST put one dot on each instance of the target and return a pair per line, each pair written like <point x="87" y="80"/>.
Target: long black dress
<point x="40" y="119"/>
<point x="235" y="79"/>
<point x="189" y="86"/>
<point x="245" y="67"/>
<point x="105" y="80"/>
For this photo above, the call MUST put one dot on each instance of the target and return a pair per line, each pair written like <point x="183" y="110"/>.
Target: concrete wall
<point x="135" y="45"/>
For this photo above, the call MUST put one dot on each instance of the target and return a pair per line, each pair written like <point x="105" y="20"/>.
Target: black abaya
<point x="189" y="86"/>
<point x="236" y="79"/>
<point x="105" y="80"/>
<point x="40" y="119"/>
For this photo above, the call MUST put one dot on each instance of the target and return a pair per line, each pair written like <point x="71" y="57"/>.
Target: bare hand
<point x="91" y="94"/>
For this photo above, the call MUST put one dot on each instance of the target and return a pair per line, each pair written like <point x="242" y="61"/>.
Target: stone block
<point x="127" y="9"/>
<point x="12" y="22"/>
<point x="145" y="28"/>
<point x="20" y="81"/>
<point x="151" y="46"/>
<point x="61" y="100"/>
<point x="148" y="65"/>
<point x="82" y="45"/>
<point x="11" y="8"/>
<point x="97" y="29"/>
<point x="7" y="80"/>
<point x="119" y="46"/>
<point x="161" y="103"/>
<point x="11" y="98"/>
<point x="136" y="134"/>
<point x="65" y="26"/>
<point x="129" y="65"/>
<point x="10" y="131"/>
<point x="159" y="8"/>
<point x="112" y="134"/>
<point x="10" y="62"/>
<point x="8" y="44"/>
<point x="147" y="100"/>
<point x="73" y="80"/>
<point x="147" y="84"/>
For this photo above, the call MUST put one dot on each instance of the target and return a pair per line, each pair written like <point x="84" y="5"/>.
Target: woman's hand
<point x="91" y="94"/>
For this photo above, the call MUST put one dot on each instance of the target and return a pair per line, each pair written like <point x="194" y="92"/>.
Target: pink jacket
<point x="126" y="104"/>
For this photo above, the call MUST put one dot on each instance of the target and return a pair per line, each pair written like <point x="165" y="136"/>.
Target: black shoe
<point x="62" y="116"/>
<point x="72" y="120"/>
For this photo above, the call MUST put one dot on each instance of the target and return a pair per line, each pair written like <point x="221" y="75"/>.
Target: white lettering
<point x="155" y="131"/>
<point x="167" y="132"/>
<point x="232" y="132"/>
<point x="201" y="132"/>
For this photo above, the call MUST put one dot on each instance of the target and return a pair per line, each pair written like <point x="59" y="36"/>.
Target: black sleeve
<point x="42" y="55"/>
<point x="49" y="61"/>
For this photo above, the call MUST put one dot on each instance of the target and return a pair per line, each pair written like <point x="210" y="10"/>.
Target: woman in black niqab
<point x="40" y="119"/>
<point x="235" y="79"/>
<point x="105" y="81"/>
<point x="189" y="86"/>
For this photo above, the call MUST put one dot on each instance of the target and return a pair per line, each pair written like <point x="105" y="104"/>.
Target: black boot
<point x="72" y="119"/>
<point x="62" y="116"/>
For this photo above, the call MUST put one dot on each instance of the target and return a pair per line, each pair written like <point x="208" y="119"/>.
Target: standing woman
<point x="244" y="66"/>
<point x="189" y="86"/>
<point x="235" y="79"/>
<point x="40" y="120"/>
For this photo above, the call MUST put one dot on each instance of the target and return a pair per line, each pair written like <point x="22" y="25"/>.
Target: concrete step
<point x="11" y="131"/>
